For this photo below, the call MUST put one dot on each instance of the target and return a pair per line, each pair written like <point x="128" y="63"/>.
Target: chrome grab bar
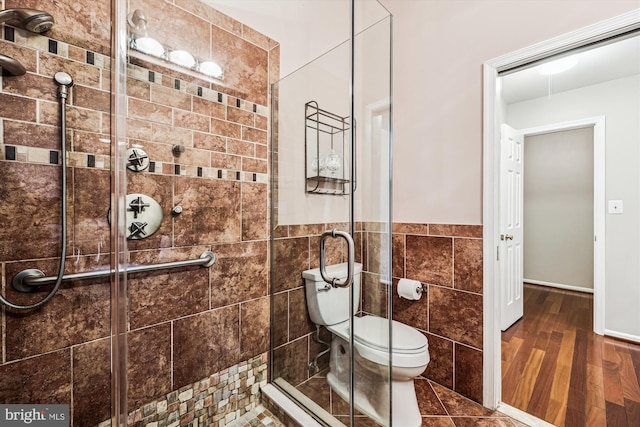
<point x="334" y="281"/>
<point x="29" y="280"/>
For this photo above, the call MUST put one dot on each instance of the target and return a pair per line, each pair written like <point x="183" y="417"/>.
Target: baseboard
<point x="559" y="286"/>
<point x="621" y="335"/>
<point x="522" y="416"/>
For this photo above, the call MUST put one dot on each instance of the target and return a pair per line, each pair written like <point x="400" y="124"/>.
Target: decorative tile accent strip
<point x="53" y="157"/>
<point x="53" y="46"/>
<point x="10" y="152"/>
<point x="83" y="160"/>
<point x="225" y="398"/>
<point x="141" y="73"/>
<point x="9" y="34"/>
<point x="56" y="47"/>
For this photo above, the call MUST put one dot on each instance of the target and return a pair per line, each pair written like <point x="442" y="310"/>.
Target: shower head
<point x="32" y="20"/>
<point x="11" y="67"/>
<point x="64" y="82"/>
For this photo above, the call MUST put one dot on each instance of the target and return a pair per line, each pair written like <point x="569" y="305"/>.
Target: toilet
<point x="329" y="307"/>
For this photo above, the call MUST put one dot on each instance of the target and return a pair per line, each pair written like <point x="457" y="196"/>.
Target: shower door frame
<point x="119" y="407"/>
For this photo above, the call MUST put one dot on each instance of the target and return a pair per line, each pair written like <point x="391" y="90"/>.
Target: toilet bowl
<point x="409" y="352"/>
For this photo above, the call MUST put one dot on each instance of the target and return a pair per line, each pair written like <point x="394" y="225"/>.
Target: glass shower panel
<point x="197" y="144"/>
<point x="58" y="353"/>
<point x="321" y="182"/>
<point x="372" y="204"/>
<point x="311" y="111"/>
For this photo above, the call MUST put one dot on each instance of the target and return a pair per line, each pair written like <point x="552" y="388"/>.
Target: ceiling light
<point x="140" y="41"/>
<point x="210" y="68"/>
<point x="559" y="65"/>
<point x="148" y="45"/>
<point x="182" y="58"/>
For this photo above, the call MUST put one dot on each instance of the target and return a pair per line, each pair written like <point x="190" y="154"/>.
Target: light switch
<point x="615" y="206"/>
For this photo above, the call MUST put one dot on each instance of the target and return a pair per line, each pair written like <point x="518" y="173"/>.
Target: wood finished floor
<point x="556" y="368"/>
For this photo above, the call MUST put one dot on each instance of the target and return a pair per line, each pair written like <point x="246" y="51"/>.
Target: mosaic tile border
<point x="36" y="155"/>
<point x="218" y="400"/>
<point x="144" y="74"/>
<point x="45" y="44"/>
<point x="61" y="49"/>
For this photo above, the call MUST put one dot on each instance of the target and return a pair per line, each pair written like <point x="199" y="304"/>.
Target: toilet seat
<point x="410" y="347"/>
<point x="373" y="331"/>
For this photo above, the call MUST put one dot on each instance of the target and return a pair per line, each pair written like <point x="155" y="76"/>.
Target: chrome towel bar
<point x="29" y="280"/>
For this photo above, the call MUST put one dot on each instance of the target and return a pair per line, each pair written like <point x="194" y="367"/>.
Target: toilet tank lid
<point x="336" y="270"/>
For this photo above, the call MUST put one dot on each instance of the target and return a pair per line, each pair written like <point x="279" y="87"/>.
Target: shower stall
<point x="160" y="281"/>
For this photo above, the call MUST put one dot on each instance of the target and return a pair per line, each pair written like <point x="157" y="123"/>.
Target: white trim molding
<point x="522" y="416"/>
<point x="622" y="335"/>
<point x="599" y="134"/>
<point x="599" y="32"/>
<point x="559" y="286"/>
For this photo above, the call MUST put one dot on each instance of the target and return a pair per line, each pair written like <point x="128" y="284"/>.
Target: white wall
<point x="326" y="81"/>
<point x="439" y="48"/>
<point x="305" y="29"/>
<point x="619" y="101"/>
<point x="558" y="208"/>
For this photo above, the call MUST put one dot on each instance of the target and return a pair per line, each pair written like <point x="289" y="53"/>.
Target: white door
<point x="511" y="206"/>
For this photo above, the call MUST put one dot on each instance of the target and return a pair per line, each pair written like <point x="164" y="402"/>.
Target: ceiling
<point x="601" y="64"/>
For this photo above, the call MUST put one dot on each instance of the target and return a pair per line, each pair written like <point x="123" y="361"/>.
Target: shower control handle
<point x="334" y="281"/>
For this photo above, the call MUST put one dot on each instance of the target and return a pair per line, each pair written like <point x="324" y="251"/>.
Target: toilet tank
<point x="328" y="305"/>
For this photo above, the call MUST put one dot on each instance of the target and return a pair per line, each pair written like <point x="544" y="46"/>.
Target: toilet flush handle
<point x="334" y="281"/>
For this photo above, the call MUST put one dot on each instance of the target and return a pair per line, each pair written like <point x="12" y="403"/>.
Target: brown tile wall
<point x="186" y="324"/>
<point x="295" y="249"/>
<point x="447" y="259"/>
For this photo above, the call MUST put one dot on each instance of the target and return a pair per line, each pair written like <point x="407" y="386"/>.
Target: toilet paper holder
<point x="411" y="289"/>
<point x="421" y="288"/>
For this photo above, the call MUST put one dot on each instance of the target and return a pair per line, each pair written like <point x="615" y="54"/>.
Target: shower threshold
<point x="302" y="410"/>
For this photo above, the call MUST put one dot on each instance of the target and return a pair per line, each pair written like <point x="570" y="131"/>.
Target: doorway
<point x="493" y="116"/>
<point x="553" y="217"/>
<point x="543" y="353"/>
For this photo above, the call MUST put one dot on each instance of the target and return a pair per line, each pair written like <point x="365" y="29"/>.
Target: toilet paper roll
<point x="410" y="289"/>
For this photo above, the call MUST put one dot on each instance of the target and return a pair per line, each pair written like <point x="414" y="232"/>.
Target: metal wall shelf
<point x="325" y="146"/>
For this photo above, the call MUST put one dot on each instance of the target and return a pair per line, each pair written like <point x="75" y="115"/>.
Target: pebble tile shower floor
<point x="257" y="417"/>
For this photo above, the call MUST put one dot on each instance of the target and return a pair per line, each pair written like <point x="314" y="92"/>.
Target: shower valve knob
<point x="138" y="160"/>
<point x="143" y="216"/>
<point x="137" y="206"/>
<point x="137" y="229"/>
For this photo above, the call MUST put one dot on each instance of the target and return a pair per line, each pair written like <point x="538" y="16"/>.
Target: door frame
<point x="599" y="138"/>
<point x="617" y="26"/>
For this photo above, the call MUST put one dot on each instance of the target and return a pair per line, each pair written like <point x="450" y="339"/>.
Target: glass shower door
<point x="55" y="359"/>
<point x="331" y="225"/>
